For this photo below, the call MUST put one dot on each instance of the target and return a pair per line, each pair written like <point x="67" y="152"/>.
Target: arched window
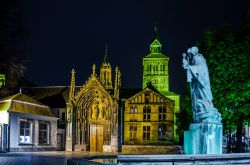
<point x="133" y="109"/>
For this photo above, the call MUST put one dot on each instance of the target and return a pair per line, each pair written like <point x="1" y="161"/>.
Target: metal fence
<point x="244" y="147"/>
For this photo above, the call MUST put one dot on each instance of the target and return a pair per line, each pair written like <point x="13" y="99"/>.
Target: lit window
<point x="43" y="132"/>
<point x="133" y="109"/>
<point x="146" y="133"/>
<point x="25" y="131"/>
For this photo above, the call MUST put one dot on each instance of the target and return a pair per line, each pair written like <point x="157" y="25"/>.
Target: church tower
<point x="105" y="72"/>
<point x="155" y="67"/>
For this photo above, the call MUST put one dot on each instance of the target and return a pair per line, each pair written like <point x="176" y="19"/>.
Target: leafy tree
<point x="228" y="55"/>
<point x="185" y="113"/>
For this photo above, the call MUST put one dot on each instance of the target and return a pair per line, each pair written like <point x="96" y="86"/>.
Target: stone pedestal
<point x="203" y="138"/>
<point x="69" y="145"/>
<point x="80" y="147"/>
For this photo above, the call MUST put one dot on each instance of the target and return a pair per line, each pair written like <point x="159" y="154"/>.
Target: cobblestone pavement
<point x="43" y="158"/>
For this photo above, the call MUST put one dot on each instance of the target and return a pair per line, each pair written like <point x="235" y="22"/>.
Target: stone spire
<point x="117" y="83"/>
<point x="93" y="69"/>
<point x="156" y="36"/>
<point x="106" y="60"/>
<point x="72" y="86"/>
<point x="106" y="72"/>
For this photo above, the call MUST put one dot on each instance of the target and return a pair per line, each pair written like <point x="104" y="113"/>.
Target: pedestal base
<point x="69" y="146"/>
<point x="203" y="138"/>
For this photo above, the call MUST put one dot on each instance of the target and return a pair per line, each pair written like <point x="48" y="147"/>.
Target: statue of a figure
<point x="69" y="111"/>
<point x="114" y="122"/>
<point x="100" y="114"/>
<point x="198" y="76"/>
<point x="94" y="112"/>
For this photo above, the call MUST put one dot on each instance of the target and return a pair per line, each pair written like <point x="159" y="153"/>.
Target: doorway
<point x="96" y="138"/>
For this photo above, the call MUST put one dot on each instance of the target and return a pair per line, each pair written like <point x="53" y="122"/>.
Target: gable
<point x="91" y="88"/>
<point x="148" y="95"/>
<point x="155" y="42"/>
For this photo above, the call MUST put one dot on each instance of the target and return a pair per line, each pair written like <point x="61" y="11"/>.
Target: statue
<point x="205" y="134"/>
<point x="94" y="110"/>
<point x="198" y="76"/>
<point x="69" y="114"/>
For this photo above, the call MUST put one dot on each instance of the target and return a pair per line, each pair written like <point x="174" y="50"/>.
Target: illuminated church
<point x="92" y="112"/>
<point x="97" y="116"/>
<point x="150" y="114"/>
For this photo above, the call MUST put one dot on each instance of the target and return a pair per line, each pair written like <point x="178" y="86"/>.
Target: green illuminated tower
<point x="155" y="71"/>
<point x="155" y="67"/>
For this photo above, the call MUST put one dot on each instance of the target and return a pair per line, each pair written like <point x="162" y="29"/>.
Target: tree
<point x="12" y="34"/>
<point x="227" y="54"/>
<point x="185" y="113"/>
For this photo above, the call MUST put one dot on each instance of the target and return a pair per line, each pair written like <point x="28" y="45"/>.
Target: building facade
<point x="96" y="116"/>
<point x="148" y="118"/>
<point x="27" y="125"/>
<point x="150" y="115"/>
<point x="92" y="112"/>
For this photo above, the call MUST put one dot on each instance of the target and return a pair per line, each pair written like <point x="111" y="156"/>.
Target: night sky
<point x="65" y="34"/>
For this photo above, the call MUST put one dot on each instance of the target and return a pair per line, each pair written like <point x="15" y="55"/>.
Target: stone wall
<point x="110" y="148"/>
<point x="148" y="149"/>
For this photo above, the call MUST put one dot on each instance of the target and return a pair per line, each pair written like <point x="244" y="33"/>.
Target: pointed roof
<point x="156" y="36"/>
<point x="106" y="60"/>
<point x="155" y="47"/>
<point x="93" y="83"/>
<point x="150" y="87"/>
<point x="22" y="103"/>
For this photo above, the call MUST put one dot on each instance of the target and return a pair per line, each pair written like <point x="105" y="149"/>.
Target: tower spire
<point x="155" y="46"/>
<point x="72" y="86"/>
<point x="105" y="60"/>
<point x="105" y="71"/>
<point x="156" y="36"/>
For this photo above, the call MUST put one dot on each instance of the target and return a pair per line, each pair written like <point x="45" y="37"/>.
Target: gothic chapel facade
<point x="92" y="112"/>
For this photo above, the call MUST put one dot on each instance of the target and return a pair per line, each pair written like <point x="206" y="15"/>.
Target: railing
<point x="244" y="147"/>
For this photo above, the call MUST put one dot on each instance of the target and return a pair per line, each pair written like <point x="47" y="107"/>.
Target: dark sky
<point x="66" y="34"/>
